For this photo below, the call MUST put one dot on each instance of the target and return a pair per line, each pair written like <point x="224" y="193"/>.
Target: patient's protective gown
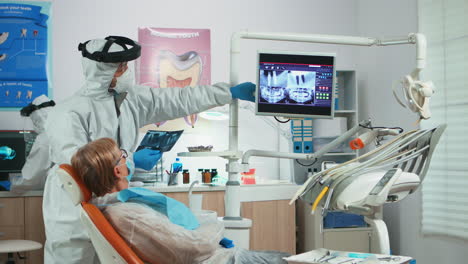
<point x="156" y="239"/>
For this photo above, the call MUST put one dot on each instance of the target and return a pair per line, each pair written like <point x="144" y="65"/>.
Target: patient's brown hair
<point x="94" y="163"/>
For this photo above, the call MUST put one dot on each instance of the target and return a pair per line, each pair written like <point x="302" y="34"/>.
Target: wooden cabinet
<point x="273" y="225"/>
<point x="34" y="228"/>
<point x="21" y="218"/>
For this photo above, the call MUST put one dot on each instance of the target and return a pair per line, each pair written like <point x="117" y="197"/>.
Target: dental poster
<point x="174" y="58"/>
<point x="24" y="60"/>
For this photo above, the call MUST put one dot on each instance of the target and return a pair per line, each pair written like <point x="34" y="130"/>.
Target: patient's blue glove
<point x="244" y="91"/>
<point x="227" y="243"/>
<point x="146" y="158"/>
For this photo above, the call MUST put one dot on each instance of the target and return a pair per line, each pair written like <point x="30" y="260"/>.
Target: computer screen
<point x="295" y="84"/>
<point x="14" y="148"/>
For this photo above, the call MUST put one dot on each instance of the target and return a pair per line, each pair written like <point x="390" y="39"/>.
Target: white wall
<point x="78" y="21"/>
<point x="378" y="68"/>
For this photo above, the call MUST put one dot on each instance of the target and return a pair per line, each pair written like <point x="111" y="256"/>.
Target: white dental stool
<point x="12" y="246"/>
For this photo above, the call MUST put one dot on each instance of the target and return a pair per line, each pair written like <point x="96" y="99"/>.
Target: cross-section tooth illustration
<point x="179" y="71"/>
<point x="3" y="37"/>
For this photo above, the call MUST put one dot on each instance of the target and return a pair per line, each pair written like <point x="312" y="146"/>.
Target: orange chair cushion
<point x="108" y="231"/>
<point x="69" y="169"/>
<point x="101" y="223"/>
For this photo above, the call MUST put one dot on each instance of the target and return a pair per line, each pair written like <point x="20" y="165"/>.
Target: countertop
<point x="273" y="190"/>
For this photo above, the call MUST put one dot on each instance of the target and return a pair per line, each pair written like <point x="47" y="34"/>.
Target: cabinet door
<point x="11" y="222"/>
<point x="34" y="228"/>
<point x="12" y="211"/>
<point x="273" y="225"/>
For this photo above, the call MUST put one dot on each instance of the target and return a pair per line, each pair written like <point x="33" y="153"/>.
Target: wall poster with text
<point x="24" y="52"/>
<point x="174" y="58"/>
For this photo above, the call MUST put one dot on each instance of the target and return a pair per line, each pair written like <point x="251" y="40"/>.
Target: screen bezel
<point x="332" y="110"/>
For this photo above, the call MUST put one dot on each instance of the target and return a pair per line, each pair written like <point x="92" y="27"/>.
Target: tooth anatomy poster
<point x="24" y="49"/>
<point x="174" y="58"/>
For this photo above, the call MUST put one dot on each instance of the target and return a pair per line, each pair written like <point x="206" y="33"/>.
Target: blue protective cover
<point x="340" y="219"/>
<point x="176" y="211"/>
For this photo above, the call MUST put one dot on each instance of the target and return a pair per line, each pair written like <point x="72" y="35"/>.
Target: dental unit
<point x="409" y="153"/>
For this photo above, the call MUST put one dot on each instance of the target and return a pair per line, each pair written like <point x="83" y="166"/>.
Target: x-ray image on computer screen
<point x="287" y="87"/>
<point x="295" y="84"/>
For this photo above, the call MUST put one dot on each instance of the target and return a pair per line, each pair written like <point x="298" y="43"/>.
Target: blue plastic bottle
<point x="177" y="166"/>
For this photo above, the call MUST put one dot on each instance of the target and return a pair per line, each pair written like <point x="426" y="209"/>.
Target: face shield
<point x="103" y="58"/>
<point x="108" y="56"/>
<point x="38" y="110"/>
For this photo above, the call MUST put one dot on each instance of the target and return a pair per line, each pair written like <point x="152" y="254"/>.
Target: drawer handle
<point x="2" y="234"/>
<point x="2" y="205"/>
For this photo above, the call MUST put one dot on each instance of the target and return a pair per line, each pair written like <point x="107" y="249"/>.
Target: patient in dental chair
<point x="158" y="228"/>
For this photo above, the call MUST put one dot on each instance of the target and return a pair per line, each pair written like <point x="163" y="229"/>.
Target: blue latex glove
<point x="146" y="158"/>
<point x="227" y="243"/>
<point x="244" y="91"/>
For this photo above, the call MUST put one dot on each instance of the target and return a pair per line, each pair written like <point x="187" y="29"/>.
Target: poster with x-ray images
<point x="24" y="49"/>
<point x="174" y="58"/>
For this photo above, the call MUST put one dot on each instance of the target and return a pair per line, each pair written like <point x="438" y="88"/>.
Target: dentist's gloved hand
<point x="146" y="158"/>
<point x="244" y="91"/>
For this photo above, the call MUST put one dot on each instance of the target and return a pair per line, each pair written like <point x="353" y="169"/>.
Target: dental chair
<point x="109" y="245"/>
<point x="386" y="174"/>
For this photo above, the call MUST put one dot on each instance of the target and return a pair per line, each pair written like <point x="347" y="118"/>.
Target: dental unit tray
<point x="322" y="255"/>
<point x="160" y="140"/>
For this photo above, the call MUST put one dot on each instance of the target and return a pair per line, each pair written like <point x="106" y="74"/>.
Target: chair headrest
<point x="73" y="184"/>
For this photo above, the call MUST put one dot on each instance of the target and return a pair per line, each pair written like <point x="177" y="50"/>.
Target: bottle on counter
<point x="186" y="177"/>
<point x="176" y="166"/>
<point x="207" y="176"/>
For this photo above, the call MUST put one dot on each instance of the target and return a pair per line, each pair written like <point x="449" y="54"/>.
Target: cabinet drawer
<point x="12" y="211"/>
<point x="11" y="232"/>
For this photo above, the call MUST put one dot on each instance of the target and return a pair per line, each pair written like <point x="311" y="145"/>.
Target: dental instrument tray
<point x="325" y="256"/>
<point x="200" y="148"/>
<point x="160" y="140"/>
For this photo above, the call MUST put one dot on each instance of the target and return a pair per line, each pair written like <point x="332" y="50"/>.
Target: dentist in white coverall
<point x="110" y="105"/>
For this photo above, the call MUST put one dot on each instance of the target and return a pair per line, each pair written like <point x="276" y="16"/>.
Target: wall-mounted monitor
<point x="15" y="146"/>
<point x="295" y="84"/>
